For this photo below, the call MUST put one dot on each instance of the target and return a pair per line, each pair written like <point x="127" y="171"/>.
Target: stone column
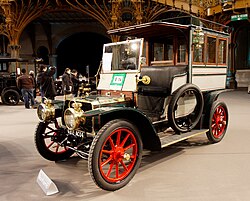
<point x="231" y="82"/>
<point x="14" y="52"/>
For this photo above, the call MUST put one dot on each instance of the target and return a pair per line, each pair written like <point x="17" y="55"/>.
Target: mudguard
<point x="148" y="134"/>
<point x="209" y="98"/>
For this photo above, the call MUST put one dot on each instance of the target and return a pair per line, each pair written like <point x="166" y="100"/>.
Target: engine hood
<point x="97" y="101"/>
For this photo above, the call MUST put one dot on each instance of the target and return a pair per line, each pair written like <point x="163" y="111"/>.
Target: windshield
<point x="122" y="55"/>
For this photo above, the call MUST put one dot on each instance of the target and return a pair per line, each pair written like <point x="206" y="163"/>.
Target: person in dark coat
<point x="48" y="86"/>
<point x="40" y="79"/>
<point x="67" y="83"/>
<point x="26" y="84"/>
<point x="75" y="81"/>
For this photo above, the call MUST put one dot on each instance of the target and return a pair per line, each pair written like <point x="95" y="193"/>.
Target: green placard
<point x="239" y="17"/>
<point x="117" y="81"/>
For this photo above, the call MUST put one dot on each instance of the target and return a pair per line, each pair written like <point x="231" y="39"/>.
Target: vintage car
<point x="157" y="87"/>
<point x="10" y="94"/>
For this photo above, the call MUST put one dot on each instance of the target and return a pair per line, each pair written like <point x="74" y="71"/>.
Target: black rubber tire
<point x="43" y="149"/>
<point x="218" y="121"/>
<point x="187" y="123"/>
<point x="95" y="155"/>
<point x="10" y="97"/>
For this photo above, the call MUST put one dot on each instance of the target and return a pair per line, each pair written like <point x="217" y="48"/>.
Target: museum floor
<point x="193" y="170"/>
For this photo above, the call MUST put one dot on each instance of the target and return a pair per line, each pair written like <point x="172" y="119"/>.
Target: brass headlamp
<point x="73" y="117"/>
<point x="46" y="111"/>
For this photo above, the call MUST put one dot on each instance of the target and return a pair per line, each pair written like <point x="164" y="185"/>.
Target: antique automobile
<point x="10" y="94"/>
<point x="156" y="88"/>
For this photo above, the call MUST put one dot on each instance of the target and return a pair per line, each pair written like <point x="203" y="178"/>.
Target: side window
<point x="158" y="52"/>
<point x="198" y="56"/>
<point x="163" y="52"/>
<point x="169" y="49"/>
<point x="144" y="53"/>
<point x="181" y="50"/>
<point x="222" y="51"/>
<point x="211" y="50"/>
<point x="3" y="67"/>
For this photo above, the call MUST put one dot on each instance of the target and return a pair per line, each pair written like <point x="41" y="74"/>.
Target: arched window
<point x="3" y="45"/>
<point x="42" y="52"/>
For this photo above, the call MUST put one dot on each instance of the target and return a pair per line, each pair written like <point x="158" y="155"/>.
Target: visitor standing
<point x="48" y="85"/>
<point x="26" y="84"/>
<point x="67" y="83"/>
<point x="40" y="80"/>
<point x="75" y="82"/>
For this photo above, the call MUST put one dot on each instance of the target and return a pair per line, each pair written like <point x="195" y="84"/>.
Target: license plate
<point x="77" y="133"/>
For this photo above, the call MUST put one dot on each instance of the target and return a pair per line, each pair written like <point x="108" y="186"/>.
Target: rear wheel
<point x="115" y="155"/>
<point x="49" y="142"/>
<point x="185" y="108"/>
<point x="10" y="97"/>
<point x="218" y="121"/>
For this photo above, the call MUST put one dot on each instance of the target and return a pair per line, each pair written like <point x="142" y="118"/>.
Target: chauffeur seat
<point x="151" y="97"/>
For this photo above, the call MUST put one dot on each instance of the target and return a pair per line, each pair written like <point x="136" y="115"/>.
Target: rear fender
<point x="209" y="98"/>
<point x="13" y="88"/>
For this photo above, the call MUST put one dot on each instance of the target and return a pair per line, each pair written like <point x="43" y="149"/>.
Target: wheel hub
<point x="118" y="154"/>
<point x="218" y="119"/>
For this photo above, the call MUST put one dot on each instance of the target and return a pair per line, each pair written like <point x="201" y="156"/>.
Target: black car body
<point x="159" y="88"/>
<point x="10" y="94"/>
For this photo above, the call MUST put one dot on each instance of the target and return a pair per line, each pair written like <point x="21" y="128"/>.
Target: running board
<point x="169" y="137"/>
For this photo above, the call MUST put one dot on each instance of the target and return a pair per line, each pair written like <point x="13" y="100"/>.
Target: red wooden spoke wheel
<point x="118" y="155"/>
<point x="52" y="142"/>
<point x="115" y="155"/>
<point x="218" y="121"/>
<point x="48" y="140"/>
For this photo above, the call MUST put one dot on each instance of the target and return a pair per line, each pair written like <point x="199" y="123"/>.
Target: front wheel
<point x="49" y="142"/>
<point x="218" y="121"/>
<point x="115" y="155"/>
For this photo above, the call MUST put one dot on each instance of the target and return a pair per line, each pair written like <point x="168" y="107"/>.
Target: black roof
<point x="171" y="26"/>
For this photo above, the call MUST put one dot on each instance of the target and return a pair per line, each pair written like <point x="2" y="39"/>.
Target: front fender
<point x="148" y="134"/>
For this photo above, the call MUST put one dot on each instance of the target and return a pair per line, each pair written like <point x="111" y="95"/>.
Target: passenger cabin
<point x="171" y="52"/>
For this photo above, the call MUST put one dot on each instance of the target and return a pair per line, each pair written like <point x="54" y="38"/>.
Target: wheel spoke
<point x="50" y="128"/>
<point x="107" y="152"/>
<point x="125" y="139"/>
<point x="52" y="142"/>
<point x="124" y="166"/>
<point x="110" y="169"/>
<point x="106" y="162"/>
<point x="117" y="170"/>
<point x="46" y="134"/>
<point x="128" y="147"/>
<point x="111" y="143"/>
<point x="57" y="148"/>
<point x="118" y="137"/>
